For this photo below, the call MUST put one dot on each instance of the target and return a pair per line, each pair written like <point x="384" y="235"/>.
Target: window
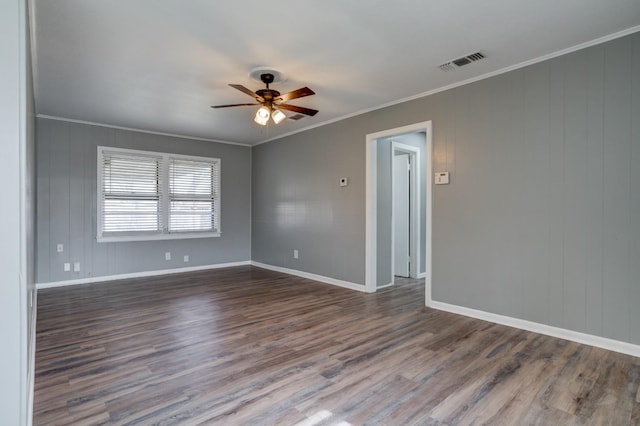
<point x="193" y="188"/>
<point x="147" y="195"/>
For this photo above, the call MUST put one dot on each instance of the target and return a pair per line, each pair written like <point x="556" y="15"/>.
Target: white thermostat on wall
<point x="442" y="178"/>
<point x="344" y="181"/>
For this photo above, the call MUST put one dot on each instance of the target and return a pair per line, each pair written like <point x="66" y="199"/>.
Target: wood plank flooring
<point x="249" y="346"/>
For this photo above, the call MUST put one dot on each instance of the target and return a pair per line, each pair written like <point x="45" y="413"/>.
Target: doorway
<point x="401" y="216"/>
<point x="375" y="243"/>
<point x="405" y="198"/>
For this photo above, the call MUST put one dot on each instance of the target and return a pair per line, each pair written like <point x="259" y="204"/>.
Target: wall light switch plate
<point x="344" y="181"/>
<point x="442" y="178"/>
<point x="60" y="248"/>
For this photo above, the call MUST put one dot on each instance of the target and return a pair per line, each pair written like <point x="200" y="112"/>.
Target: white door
<point x="401" y="215"/>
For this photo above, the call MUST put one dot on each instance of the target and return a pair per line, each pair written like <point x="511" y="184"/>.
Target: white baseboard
<point x="575" y="336"/>
<point x="422" y="275"/>
<point x="562" y="333"/>
<point x="384" y="286"/>
<point x="323" y="279"/>
<point x="140" y="274"/>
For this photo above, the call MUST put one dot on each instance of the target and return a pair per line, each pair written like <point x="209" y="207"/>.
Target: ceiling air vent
<point x="296" y="117"/>
<point x="460" y="62"/>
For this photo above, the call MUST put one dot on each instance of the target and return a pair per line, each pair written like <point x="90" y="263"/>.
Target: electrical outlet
<point x="67" y="267"/>
<point x="60" y="248"/>
<point x="167" y="255"/>
<point x="295" y="254"/>
<point x="186" y="258"/>
<point x="76" y="266"/>
<point x="32" y="296"/>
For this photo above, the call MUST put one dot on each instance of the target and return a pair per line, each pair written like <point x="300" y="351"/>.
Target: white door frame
<point x="371" y="202"/>
<point x="414" y="208"/>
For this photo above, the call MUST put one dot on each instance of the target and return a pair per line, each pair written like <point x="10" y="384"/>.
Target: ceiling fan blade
<point x="302" y="92"/>
<point x="243" y="89"/>
<point x="230" y="105"/>
<point x="301" y="110"/>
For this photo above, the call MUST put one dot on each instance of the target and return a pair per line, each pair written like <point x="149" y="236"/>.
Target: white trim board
<point x="106" y="278"/>
<point x="562" y="333"/>
<point x="320" y="278"/>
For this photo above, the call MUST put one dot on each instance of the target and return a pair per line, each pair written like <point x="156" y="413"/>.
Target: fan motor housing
<point x="268" y="94"/>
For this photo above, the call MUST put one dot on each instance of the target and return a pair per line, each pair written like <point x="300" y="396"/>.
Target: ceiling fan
<point x="272" y="101"/>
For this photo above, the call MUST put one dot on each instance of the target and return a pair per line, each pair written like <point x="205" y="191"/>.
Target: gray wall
<point x="66" y="180"/>
<point x="541" y="220"/>
<point x="384" y="209"/>
<point x="383" y="262"/>
<point x="16" y="235"/>
<point x="297" y="203"/>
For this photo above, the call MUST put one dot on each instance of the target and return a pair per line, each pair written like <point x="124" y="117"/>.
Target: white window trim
<point x="164" y="234"/>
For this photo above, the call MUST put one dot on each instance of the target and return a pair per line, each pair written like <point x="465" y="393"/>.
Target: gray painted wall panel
<point x="77" y="170"/>
<point x="634" y="299"/>
<point x="297" y="199"/>
<point x="58" y="199"/>
<point x="576" y="192"/>
<point x="540" y="220"/>
<point x="555" y="182"/>
<point x="617" y="187"/>
<point x="43" y="189"/>
<point x="594" y="183"/>
<point x="384" y="213"/>
<point x="66" y="175"/>
<point x="535" y="215"/>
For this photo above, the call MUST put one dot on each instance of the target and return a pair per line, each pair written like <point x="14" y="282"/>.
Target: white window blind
<point x="131" y="194"/>
<point x="146" y="195"/>
<point x="193" y="195"/>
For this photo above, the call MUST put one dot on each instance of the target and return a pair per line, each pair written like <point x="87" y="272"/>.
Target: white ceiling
<point x="158" y="65"/>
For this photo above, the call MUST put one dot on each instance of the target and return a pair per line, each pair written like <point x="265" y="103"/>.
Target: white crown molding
<point x="465" y="82"/>
<point x="562" y="333"/>
<point x="367" y="110"/>
<point x="321" y="278"/>
<point x="132" y="129"/>
<point x="109" y="278"/>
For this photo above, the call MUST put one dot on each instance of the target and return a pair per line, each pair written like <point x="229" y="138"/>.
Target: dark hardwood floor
<point x="249" y="346"/>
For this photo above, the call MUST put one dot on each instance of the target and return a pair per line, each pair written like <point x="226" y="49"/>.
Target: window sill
<point x="154" y="237"/>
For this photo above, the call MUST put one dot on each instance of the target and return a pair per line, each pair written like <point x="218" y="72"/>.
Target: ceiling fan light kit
<point x="277" y="116"/>
<point x="262" y="116"/>
<point x="271" y="100"/>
